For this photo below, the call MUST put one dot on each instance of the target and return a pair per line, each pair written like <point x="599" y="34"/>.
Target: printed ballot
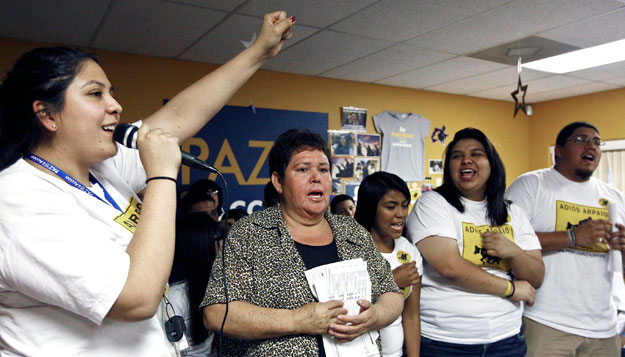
<point x="349" y="282"/>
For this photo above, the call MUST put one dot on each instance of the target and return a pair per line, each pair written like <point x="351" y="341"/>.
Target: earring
<point x="53" y="125"/>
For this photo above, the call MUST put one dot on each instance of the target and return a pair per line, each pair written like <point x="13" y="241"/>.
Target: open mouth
<point x="467" y="173"/>
<point x="589" y="158"/>
<point x="316" y="195"/>
<point x="397" y="226"/>
<point x="109" y="128"/>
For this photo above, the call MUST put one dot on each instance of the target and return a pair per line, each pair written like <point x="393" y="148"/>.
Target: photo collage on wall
<point x="355" y="153"/>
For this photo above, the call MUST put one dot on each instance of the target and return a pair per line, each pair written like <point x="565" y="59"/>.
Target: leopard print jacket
<point x="264" y="268"/>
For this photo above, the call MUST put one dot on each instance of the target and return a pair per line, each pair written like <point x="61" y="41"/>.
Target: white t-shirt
<point x="392" y="336"/>
<point x="575" y="296"/>
<point x="449" y="313"/>
<point x="63" y="263"/>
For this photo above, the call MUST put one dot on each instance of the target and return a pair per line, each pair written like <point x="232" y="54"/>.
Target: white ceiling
<point x="422" y="44"/>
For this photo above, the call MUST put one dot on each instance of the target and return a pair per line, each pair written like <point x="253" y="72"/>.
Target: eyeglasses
<point x="584" y="140"/>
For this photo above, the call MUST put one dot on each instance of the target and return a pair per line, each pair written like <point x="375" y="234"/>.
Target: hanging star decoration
<point x="519" y="104"/>
<point x="439" y="135"/>
<point x="520" y="88"/>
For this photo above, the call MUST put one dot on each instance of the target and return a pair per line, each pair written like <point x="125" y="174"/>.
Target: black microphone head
<point x="126" y="134"/>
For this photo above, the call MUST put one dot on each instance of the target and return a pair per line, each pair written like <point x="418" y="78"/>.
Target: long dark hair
<point x="371" y="191"/>
<point x="497" y="206"/>
<point x="41" y="74"/>
<point x="193" y="260"/>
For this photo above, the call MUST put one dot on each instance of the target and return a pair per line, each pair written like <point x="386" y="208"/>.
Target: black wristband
<point x="513" y="289"/>
<point x="160" y="178"/>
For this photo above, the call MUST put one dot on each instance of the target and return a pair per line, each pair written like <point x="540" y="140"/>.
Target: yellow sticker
<point x="570" y="216"/>
<point x="403" y="257"/>
<point x="130" y="218"/>
<point x="473" y="247"/>
<point x="405" y="292"/>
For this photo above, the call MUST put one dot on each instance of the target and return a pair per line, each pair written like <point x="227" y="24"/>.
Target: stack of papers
<point x="347" y="281"/>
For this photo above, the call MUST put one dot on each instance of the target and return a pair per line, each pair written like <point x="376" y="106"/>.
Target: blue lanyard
<point x="70" y="180"/>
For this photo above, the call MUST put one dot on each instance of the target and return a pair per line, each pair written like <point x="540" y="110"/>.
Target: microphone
<point x="126" y="134"/>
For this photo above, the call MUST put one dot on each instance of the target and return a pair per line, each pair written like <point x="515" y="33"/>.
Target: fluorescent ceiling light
<point x="581" y="59"/>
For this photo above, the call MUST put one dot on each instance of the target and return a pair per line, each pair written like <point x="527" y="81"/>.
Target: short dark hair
<point x="338" y="199"/>
<point x="41" y="74"/>
<point x="291" y="141"/>
<point x="371" y="191"/>
<point x="199" y="191"/>
<point x="497" y="210"/>
<point x="568" y="130"/>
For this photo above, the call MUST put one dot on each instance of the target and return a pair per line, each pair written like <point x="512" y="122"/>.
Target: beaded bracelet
<point x="160" y="178"/>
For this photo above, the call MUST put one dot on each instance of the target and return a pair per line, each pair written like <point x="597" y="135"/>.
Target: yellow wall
<point x="141" y="83"/>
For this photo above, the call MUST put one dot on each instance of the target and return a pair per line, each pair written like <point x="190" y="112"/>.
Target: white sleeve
<point x="58" y="255"/>
<point x="418" y="259"/>
<point x="127" y="163"/>
<point x="524" y="234"/>
<point x="522" y="193"/>
<point x="431" y="216"/>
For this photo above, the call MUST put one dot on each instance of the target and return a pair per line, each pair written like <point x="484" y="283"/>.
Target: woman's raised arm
<point x="187" y="112"/>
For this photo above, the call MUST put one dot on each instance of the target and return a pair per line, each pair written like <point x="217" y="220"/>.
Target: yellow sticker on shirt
<point x="570" y="216"/>
<point x="473" y="249"/>
<point x="404" y="257"/>
<point x="130" y="218"/>
<point x="405" y="291"/>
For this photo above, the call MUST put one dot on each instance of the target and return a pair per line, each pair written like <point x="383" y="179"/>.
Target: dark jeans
<point x="511" y="346"/>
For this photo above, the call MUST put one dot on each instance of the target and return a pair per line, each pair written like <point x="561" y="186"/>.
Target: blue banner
<point x="237" y="142"/>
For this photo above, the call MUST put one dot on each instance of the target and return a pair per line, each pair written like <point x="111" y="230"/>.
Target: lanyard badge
<point x="127" y="219"/>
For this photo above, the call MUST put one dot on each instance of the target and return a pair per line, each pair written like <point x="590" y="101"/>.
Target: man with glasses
<point x="574" y="313"/>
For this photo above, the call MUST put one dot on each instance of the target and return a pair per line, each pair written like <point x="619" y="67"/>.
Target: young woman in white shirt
<point x="383" y="201"/>
<point x="481" y="256"/>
